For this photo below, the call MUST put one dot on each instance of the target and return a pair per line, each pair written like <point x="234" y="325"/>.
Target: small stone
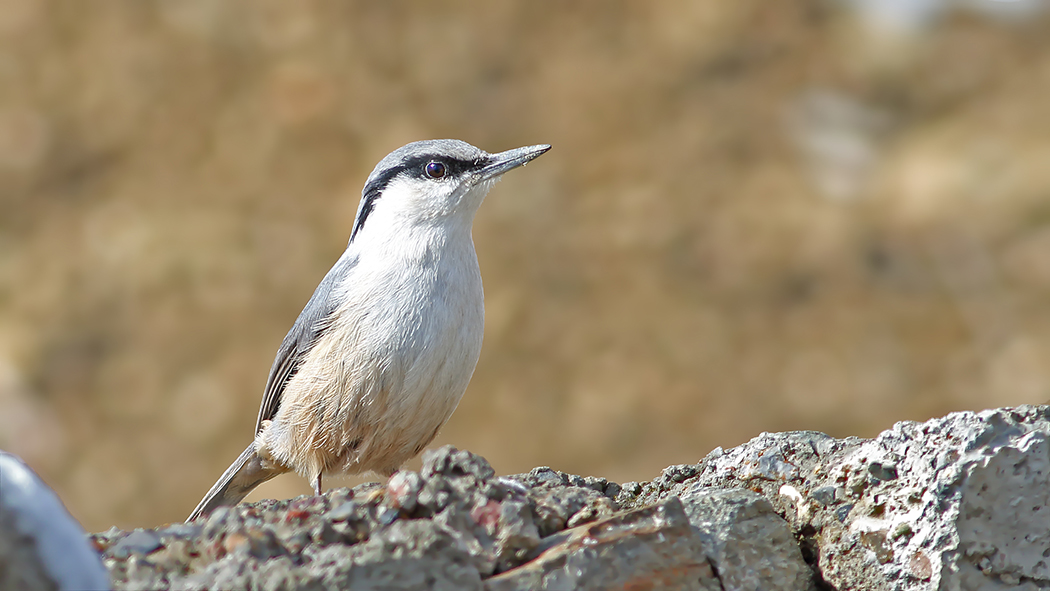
<point x="451" y="462"/>
<point x="595" y="483"/>
<point x="575" y="480"/>
<point x="883" y="471"/>
<point x="344" y="511"/>
<point x="773" y="466"/>
<point x="680" y="472"/>
<point x="402" y="491"/>
<point x="181" y="530"/>
<point x="140" y="542"/>
<point x="843" y="512"/>
<point x="545" y="475"/>
<point x="824" y="495"/>
<point x="387" y="515"/>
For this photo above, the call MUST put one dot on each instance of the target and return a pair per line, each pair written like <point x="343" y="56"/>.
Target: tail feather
<point x="243" y="475"/>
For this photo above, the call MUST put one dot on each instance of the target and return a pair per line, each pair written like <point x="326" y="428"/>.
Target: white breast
<point x="393" y="365"/>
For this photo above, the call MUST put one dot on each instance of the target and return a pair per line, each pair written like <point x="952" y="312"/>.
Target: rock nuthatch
<point x="381" y="355"/>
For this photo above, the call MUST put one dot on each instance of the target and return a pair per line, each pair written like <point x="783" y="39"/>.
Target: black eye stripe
<point x="416" y="166"/>
<point x="413" y="168"/>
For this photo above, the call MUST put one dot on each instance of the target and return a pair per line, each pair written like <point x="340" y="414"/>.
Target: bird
<point x="381" y="354"/>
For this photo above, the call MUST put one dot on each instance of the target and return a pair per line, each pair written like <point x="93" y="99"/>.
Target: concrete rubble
<point x="959" y="502"/>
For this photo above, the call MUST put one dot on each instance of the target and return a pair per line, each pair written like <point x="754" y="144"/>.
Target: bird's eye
<point x="435" y="170"/>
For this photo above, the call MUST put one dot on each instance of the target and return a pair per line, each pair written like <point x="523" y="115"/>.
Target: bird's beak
<point x="504" y="161"/>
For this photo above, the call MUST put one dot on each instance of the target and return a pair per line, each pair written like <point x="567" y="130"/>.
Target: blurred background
<point x="757" y="216"/>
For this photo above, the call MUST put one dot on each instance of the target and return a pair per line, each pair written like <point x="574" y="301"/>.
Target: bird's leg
<point x="317" y="485"/>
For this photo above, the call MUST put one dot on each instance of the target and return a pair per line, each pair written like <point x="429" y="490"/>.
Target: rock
<point x="445" y="527"/>
<point x="415" y="554"/>
<point x="750" y="546"/>
<point x="450" y="462"/>
<point x="137" y="542"/>
<point x="41" y="546"/>
<point x="650" y="548"/>
<point x="959" y="502"/>
<point x="565" y="500"/>
<point x="967" y="508"/>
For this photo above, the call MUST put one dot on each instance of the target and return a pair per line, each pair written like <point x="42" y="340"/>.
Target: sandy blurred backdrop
<point x="756" y="216"/>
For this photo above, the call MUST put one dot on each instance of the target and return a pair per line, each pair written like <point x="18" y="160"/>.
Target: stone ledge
<point x="957" y="502"/>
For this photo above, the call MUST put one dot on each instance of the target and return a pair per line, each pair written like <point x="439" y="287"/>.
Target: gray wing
<point x="313" y="321"/>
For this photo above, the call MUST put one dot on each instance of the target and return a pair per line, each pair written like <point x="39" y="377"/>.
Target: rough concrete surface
<point x="747" y="542"/>
<point x="958" y="502"/>
<point x="650" y="548"/>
